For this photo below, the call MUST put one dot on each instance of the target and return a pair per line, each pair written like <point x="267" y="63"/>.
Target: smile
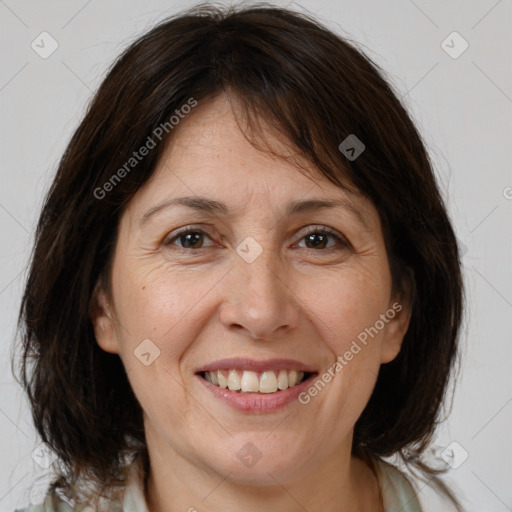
<point x="248" y="381"/>
<point x="254" y="386"/>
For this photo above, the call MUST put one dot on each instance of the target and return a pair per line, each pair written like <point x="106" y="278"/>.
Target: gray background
<point x="462" y="106"/>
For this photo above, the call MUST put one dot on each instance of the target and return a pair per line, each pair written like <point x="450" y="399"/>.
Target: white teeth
<point x="249" y="382"/>
<point x="233" y="381"/>
<point x="282" y="380"/>
<point x="223" y="382"/>
<point x="268" y="382"/>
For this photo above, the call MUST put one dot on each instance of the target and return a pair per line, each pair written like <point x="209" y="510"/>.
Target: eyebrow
<point x="216" y="208"/>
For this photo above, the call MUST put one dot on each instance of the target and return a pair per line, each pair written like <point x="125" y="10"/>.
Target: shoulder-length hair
<point x="318" y="89"/>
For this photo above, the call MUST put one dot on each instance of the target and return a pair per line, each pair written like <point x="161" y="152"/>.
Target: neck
<point x="339" y="485"/>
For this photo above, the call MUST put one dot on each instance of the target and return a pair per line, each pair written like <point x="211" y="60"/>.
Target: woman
<point x="245" y="290"/>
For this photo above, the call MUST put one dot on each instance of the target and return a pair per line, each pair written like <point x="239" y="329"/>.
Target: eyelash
<point x="323" y="230"/>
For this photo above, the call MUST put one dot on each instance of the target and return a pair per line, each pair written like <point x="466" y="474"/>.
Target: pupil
<point x="192" y="236"/>
<point x="311" y="237"/>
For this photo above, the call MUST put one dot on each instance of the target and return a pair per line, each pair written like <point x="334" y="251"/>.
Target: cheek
<point x="155" y="299"/>
<point x="347" y="305"/>
<point x="170" y="308"/>
<point x="346" y="312"/>
<point x="157" y="312"/>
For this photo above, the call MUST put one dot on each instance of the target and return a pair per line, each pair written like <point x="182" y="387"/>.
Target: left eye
<point x="319" y="237"/>
<point x="193" y="238"/>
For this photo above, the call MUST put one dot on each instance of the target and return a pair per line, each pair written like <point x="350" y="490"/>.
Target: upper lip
<point x="238" y="363"/>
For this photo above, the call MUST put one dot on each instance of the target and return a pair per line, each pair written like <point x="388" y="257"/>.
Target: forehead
<point x="211" y="144"/>
<point x="209" y="155"/>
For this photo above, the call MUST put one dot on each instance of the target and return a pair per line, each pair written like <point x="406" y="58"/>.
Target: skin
<point x="298" y="300"/>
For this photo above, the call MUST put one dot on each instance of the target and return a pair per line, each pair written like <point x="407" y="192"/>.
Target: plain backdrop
<point x="461" y="101"/>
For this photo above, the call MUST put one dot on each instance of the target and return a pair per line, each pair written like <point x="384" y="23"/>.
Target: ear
<point x="399" y="316"/>
<point x="102" y="321"/>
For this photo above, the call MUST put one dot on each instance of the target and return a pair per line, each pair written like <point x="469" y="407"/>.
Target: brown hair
<point x="317" y="88"/>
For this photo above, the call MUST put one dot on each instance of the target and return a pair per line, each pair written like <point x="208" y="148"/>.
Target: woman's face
<point x="253" y="292"/>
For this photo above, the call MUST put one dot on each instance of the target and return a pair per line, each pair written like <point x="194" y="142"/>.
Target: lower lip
<point x="257" y="402"/>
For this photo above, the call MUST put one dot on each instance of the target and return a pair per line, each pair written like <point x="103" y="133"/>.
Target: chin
<point x="260" y="459"/>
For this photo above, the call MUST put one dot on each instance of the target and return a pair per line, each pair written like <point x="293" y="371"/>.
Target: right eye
<point x="189" y="238"/>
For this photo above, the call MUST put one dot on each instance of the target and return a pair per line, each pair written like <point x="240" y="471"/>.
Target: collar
<point x="397" y="492"/>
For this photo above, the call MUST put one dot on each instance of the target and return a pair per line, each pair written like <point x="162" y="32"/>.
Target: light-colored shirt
<point x="397" y="494"/>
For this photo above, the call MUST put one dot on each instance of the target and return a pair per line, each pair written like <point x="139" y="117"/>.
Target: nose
<point x="258" y="300"/>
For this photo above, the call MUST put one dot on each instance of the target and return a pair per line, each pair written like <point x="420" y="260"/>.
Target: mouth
<point x="256" y="386"/>
<point x="247" y="381"/>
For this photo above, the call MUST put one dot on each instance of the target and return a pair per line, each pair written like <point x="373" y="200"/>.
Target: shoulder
<point x="48" y="505"/>
<point x="396" y="489"/>
<point x="400" y="491"/>
<point x="128" y="499"/>
<point x="54" y="503"/>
